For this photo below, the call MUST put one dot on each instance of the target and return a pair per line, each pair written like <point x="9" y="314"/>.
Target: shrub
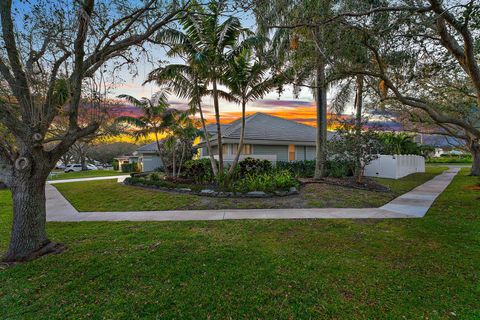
<point x="154" y="176"/>
<point x="253" y="166"/>
<point x="338" y="168"/>
<point x="160" y="183"/>
<point x="200" y="171"/>
<point x="353" y="149"/>
<point x="451" y="159"/>
<point x="131" y="167"/>
<point x="302" y="169"/>
<point x="399" y="143"/>
<point x="267" y="182"/>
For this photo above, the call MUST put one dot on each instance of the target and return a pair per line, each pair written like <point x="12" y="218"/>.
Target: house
<point x="266" y="137"/>
<point x="126" y="159"/>
<point x="442" y="144"/>
<point x="148" y="157"/>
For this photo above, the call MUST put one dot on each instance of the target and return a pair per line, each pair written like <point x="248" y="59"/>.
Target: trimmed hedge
<point x="306" y="168"/>
<point x="301" y="169"/>
<point x="451" y="159"/>
<point x="161" y="184"/>
<point x="131" y="167"/>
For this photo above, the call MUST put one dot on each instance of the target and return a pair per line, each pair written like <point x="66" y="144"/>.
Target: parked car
<point x="60" y="166"/>
<point x="91" y="167"/>
<point x="75" y="167"/>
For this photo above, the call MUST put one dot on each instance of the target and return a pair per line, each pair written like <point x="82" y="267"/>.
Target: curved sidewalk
<point x="413" y="204"/>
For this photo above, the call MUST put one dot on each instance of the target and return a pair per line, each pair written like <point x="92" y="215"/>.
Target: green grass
<point x="303" y="269"/>
<point x="108" y="195"/>
<point x="111" y="196"/>
<point x="409" y="182"/>
<point x="85" y="174"/>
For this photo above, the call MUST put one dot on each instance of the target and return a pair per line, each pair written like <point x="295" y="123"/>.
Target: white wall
<point x="395" y="166"/>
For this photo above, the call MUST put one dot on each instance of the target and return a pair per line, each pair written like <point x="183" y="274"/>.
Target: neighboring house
<point x="266" y="137"/>
<point x="442" y="144"/>
<point x="148" y="157"/>
<point x="126" y="160"/>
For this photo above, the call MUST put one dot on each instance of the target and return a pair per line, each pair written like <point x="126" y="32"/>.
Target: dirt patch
<point x="476" y="188"/>
<point x="349" y="182"/>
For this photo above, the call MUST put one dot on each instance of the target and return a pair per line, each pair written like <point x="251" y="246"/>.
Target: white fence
<point x="395" y="166"/>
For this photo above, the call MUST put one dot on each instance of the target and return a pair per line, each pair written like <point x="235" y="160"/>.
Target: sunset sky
<point x="288" y="106"/>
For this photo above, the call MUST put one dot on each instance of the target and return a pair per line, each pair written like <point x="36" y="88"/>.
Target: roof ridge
<point x="290" y="120"/>
<point x="238" y="125"/>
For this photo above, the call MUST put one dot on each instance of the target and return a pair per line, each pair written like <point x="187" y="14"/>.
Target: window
<point x="291" y="152"/>
<point x="247" y="149"/>
<point x="225" y="148"/>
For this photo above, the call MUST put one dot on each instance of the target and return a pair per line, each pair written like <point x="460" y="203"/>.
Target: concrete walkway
<point x="119" y="179"/>
<point x="413" y="204"/>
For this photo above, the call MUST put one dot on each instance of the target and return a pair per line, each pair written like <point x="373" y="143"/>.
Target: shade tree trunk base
<point x="46" y="249"/>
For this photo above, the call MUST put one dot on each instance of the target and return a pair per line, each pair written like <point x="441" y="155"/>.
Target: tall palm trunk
<point x="181" y="159"/>
<point x="321" y="108"/>
<point x="207" y="140"/>
<point x="174" y="158"/>
<point x="240" y="143"/>
<point x="358" y="124"/>
<point x="219" y="128"/>
<point x="160" y="153"/>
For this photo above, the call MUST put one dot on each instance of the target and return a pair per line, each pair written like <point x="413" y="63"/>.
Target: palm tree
<point x="207" y="44"/>
<point x="183" y="133"/>
<point x="247" y="79"/>
<point x="185" y="83"/>
<point x="156" y="119"/>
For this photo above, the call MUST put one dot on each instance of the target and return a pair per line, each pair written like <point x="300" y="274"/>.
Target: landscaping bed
<point x="204" y="190"/>
<point x="253" y="178"/>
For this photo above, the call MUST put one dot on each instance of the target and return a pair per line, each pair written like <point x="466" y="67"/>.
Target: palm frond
<point x="132" y="121"/>
<point x="134" y="101"/>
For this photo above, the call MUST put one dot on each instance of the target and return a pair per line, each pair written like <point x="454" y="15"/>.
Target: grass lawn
<point x="301" y="269"/>
<point x="111" y="196"/>
<point x="60" y="175"/>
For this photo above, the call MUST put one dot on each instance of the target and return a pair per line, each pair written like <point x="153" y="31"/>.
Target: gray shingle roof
<point x="151" y="147"/>
<point x="439" y="141"/>
<point x="261" y="126"/>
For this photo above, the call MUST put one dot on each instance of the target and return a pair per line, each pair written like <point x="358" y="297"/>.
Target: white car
<point x="75" y="167"/>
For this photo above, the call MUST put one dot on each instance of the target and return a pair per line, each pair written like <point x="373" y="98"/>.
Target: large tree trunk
<point x="219" y="128"/>
<point x="321" y="108"/>
<point x="475" y="150"/>
<point x="358" y="124"/>
<point x="29" y="238"/>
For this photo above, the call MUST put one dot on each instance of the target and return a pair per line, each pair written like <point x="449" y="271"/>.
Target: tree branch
<point x="21" y="88"/>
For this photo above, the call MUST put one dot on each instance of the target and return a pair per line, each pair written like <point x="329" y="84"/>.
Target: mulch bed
<point x="476" y="188"/>
<point x="349" y="182"/>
